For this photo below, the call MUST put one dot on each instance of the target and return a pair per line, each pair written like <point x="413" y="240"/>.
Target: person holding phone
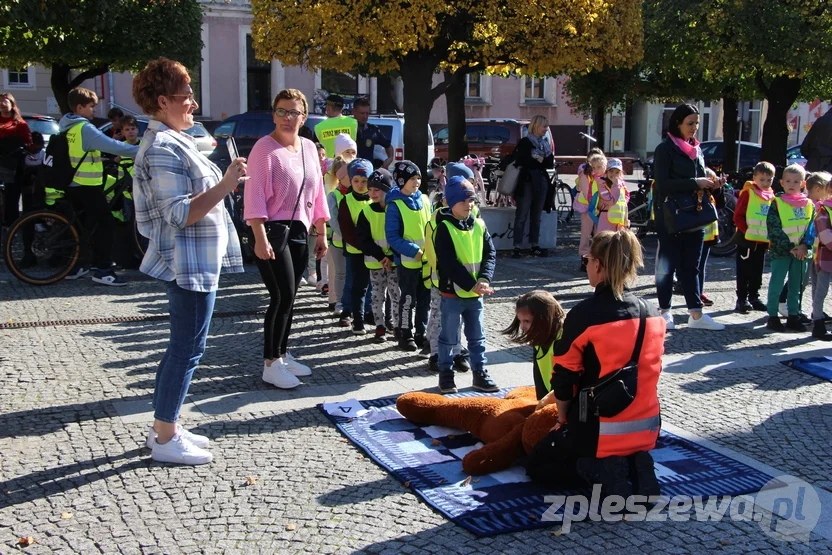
<point x="178" y="195"/>
<point x="283" y="199"/>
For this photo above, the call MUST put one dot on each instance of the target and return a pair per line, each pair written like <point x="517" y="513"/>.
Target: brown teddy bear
<point x="509" y="427"/>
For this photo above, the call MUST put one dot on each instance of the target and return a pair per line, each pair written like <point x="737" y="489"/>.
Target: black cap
<point x="380" y="179"/>
<point x="335" y="99"/>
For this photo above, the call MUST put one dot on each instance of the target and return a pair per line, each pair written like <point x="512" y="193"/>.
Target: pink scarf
<point x="766" y="195"/>
<point x="797" y="200"/>
<point x="691" y="149"/>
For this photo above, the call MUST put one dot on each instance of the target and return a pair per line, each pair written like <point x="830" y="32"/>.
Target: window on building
<point x="258" y="80"/>
<point x="20" y="78"/>
<point x="339" y="83"/>
<point x="472" y="86"/>
<point x="534" y="88"/>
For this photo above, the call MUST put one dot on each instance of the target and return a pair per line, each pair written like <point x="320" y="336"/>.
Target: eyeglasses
<point x="291" y="114"/>
<point x="189" y="96"/>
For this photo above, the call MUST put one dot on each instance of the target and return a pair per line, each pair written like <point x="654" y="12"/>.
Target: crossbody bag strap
<point x="302" y="183"/>
<point x="642" y="325"/>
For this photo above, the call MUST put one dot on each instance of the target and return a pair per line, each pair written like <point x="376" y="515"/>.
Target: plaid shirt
<point x="168" y="173"/>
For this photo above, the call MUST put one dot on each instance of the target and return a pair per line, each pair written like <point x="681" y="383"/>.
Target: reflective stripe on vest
<point x="593" y="188"/>
<point x="468" y="246"/>
<point x="795" y="220"/>
<point x="91" y="170"/>
<point x="756" y="215"/>
<point x="650" y="424"/>
<point x="337" y="240"/>
<point x="413" y="229"/>
<point x="355" y="207"/>
<point x="376" y="220"/>
<point x="544" y="363"/>
<point x="429" y="275"/>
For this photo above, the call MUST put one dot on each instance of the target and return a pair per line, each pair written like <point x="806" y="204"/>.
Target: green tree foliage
<point x="81" y="39"/>
<point x="418" y="38"/>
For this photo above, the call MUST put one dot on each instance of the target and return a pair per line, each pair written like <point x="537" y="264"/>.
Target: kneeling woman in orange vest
<point x="606" y="371"/>
<point x="538" y="321"/>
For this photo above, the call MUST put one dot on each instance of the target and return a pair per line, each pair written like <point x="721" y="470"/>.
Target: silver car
<point x="205" y="142"/>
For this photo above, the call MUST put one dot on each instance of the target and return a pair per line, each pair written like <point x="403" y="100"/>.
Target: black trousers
<point x="96" y="216"/>
<point x="360" y="284"/>
<point x="750" y="261"/>
<point x="282" y="278"/>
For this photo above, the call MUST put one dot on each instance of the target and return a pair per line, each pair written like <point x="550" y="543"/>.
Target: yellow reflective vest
<point x="337" y="240"/>
<point x="413" y="229"/>
<point x="91" y="171"/>
<point x="376" y="220"/>
<point x="756" y="215"/>
<point x="795" y="220"/>
<point x="355" y="207"/>
<point x="328" y="129"/>
<point x="468" y="245"/>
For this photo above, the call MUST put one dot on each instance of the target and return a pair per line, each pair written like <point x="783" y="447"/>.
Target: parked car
<point x="794" y="156"/>
<point x="488" y="137"/>
<point x="714" y="157"/>
<point x="247" y="128"/>
<point x="205" y="143"/>
<point x="45" y="125"/>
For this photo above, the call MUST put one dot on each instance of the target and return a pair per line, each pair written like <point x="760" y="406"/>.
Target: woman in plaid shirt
<point x="178" y="195"/>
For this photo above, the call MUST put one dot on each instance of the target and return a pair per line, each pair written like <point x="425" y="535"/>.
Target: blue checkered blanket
<point x="508" y="501"/>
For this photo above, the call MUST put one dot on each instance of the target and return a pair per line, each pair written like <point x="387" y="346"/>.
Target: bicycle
<point x="55" y="237"/>
<point x="563" y="196"/>
<point x="640" y="204"/>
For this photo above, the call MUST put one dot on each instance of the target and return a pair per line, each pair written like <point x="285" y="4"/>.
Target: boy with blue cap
<point x="358" y="277"/>
<point x="465" y="263"/>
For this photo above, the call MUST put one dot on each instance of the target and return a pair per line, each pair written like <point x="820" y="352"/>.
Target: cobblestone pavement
<point x="74" y="401"/>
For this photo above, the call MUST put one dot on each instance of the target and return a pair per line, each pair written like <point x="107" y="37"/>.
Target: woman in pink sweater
<point x="283" y="199"/>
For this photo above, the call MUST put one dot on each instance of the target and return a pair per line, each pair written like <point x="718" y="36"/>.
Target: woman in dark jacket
<point x="534" y="155"/>
<point x="680" y="170"/>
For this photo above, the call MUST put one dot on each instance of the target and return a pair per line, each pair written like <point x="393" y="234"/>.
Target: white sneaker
<point x="198" y="440"/>
<point x="303" y="281"/>
<point x="179" y="451"/>
<point x="313" y="280"/>
<point x="705" y="323"/>
<point x="278" y="375"/>
<point x="783" y="310"/>
<point x="668" y="319"/>
<point x="296" y="367"/>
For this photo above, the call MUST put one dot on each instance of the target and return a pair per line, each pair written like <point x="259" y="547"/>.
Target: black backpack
<point x="57" y="170"/>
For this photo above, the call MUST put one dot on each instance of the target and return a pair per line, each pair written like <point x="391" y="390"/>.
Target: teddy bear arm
<point x="497" y="455"/>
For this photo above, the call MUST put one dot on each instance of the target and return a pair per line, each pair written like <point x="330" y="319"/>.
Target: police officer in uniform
<point x="369" y="135"/>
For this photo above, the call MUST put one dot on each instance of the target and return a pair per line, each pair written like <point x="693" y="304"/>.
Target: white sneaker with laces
<point x="279" y="376"/>
<point x="303" y="281"/>
<point x="198" y="440"/>
<point x="295" y="367"/>
<point x="668" y="318"/>
<point x="783" y="310"/>
<point x="705" y="323"/>
<point x="179" y="451"/>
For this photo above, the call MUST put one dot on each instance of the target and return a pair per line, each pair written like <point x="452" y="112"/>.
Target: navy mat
<point x="820" y="367"/>
<point x="508" y="501"/>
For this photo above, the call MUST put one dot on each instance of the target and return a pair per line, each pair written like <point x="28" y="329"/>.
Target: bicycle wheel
<point x="726" y="245"/>
<point x="563" y="201"/>
<point x="639" y="216"/>
<point x="42" y="247"/>
<point x="139" y="239"/>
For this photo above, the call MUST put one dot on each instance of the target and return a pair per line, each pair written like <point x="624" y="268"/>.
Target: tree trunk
<point x="455" y="100"/>
<point x="729" y="132"/>
<point x="417" y="78"/>
<point x="781" y="95"/>
<point x="60" y="86"/>
<point x="599" y="114"/>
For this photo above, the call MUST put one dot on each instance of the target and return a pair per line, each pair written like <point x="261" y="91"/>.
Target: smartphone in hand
<point x="231" y="144"/>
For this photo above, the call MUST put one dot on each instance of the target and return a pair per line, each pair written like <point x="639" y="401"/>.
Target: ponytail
<point x="619" y="253"/>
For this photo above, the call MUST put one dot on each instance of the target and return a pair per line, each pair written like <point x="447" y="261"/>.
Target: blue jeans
<point x="451" y="309"/>
<point x="346" y="295"/>
<point x="190" y="318"/>
<point x="679" y="253"/>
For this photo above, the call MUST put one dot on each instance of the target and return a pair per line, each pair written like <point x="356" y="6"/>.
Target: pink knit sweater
<point x="276" y="175"/>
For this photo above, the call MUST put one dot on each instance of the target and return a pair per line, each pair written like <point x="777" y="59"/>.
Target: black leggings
<point x="282" y="278"/>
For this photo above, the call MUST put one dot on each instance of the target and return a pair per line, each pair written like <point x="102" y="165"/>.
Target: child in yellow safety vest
<point x="351" y="205"/>
<point x="431" y="281"/>
<point x="335" y="253"/>
<point x="611" y="207"/>
<point x="538" y="321"/>
<point x="465" y="260"/>
<point x="752" y="237"/>
<point x="378" y="256"/>
<point x="711" y="239"/>
<point x="791" y="232"/>
<point x="589" y="175"/>
<point x="820" y="192"/>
